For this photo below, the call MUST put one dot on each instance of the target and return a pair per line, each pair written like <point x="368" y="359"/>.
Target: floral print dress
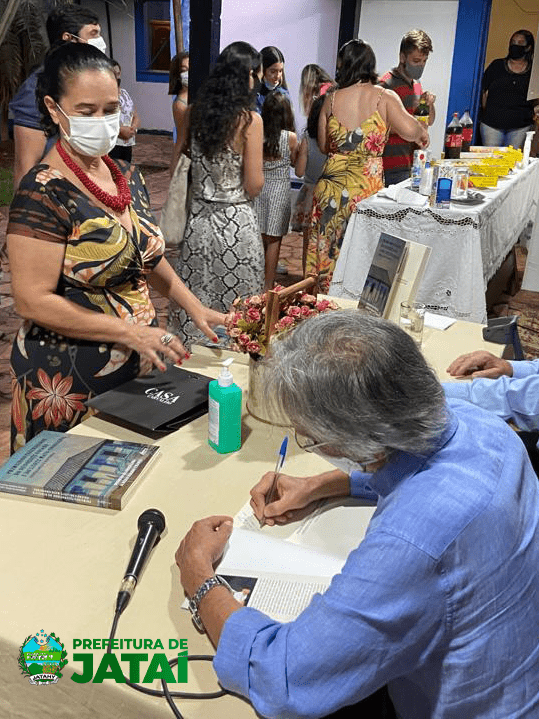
<point x="103" y="270"/>
<point x="353" y="171"/>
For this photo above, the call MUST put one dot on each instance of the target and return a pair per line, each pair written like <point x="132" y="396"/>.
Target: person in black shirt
<point x="507" y="114"/>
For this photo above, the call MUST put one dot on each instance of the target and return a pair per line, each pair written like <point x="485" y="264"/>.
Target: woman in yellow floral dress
<point x="354" y="169"/>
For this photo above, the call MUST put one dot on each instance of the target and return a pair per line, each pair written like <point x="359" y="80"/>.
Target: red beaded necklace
<point x="118" y="202"/>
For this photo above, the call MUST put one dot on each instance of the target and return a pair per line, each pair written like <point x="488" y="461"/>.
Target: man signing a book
<point x="440" y="601"/>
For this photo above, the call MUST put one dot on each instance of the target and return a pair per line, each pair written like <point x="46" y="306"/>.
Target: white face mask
<point x="92" y="136"/>
<point x="185" y="78"/>
<point x="343" y="463"/>
<point x="270" y="85"/>
<point x="99" y="43"/>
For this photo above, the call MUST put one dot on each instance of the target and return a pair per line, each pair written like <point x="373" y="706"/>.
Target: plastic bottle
<point x="224" y="412"/>
<point x="467" y="131"/>
<point x="453" y="139"/>
<point x="422" y="112"/>
<point x="527" y="148"/>
<point x="425" y="186"/>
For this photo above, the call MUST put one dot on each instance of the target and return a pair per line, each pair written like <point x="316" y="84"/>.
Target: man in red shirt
<point x="404" y="80"/>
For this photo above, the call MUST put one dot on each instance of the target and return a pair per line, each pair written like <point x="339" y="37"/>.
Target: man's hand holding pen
<point x="293" y="498"/>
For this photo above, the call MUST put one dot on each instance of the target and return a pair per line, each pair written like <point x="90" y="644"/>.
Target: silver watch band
<point x="194" y="602"/>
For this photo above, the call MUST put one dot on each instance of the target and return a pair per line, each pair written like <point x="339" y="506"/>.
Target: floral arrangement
<point x="245" y="324"/>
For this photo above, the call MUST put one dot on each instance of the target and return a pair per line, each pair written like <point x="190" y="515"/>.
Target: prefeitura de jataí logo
<point x="42" y="657"/>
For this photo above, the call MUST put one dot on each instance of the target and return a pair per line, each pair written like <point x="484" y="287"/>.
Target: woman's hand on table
<point x="149" y="343"/>
<point x="205" y="319"/>
<point x="480" y="364"/>
<point x="200" y="549"/>
<point x="295" y="499"/>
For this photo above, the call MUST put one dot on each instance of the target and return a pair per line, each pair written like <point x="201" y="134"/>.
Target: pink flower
<point x="253" y="348"/>
<point x="253" y="314"/>
<point x="244" y="339"/>
<point x="294" y="311"/>
<point x="375" y="142"/>
<point x="234" y="332"/>
<point x="286" y="322"/>
<point x="308" y="299"/>
<point x="237" y="317"/>
<point x="306" y="311"/>
<point x="255" y="300"/>
<point x="322" y="305"/>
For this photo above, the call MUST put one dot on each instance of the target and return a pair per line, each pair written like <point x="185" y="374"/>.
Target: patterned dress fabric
<point x="103" y="270"/>
<point x="272" y="206"/>
<point x="353" y="171"/>
<point x="222" y="256"/>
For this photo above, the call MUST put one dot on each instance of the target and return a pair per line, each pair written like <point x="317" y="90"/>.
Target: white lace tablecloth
<point x="469" y="243"/>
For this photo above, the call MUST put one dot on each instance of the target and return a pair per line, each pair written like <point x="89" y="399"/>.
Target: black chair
<point x="504" y="331"/>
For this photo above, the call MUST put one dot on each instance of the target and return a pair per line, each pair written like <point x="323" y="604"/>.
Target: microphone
<point x="150" y="525"/>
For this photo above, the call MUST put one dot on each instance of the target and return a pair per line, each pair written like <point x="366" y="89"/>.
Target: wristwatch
<point x="194" y="602"/>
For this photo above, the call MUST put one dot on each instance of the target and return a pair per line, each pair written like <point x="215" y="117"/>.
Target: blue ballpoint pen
<point x="270" y="496"/>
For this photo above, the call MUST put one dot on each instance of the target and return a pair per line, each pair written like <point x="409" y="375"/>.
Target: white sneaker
<point x="282" y="268"/>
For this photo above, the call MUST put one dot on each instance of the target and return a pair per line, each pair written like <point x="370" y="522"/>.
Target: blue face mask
<point x="270" y="85"/>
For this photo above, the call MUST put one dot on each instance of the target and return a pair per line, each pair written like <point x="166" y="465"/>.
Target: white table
<point x="61" y="564"/>
<point x="469" y="243"/>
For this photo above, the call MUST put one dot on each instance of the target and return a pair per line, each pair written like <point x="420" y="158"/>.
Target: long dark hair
<point x="355" y="63"/>
<point x="224" y="98"/>
<point x="270" y="55"/>
<point x="277" y="115"/>
<point x="529" y="42"/>
<point x="314" y="114"/>
<point x="60" y="64"/>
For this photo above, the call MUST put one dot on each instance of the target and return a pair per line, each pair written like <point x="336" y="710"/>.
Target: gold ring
<point x="167" y="339"/>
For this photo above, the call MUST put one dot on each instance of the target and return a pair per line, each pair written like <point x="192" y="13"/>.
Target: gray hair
<point x="358" y="383"/>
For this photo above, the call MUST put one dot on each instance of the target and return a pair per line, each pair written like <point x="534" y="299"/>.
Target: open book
<point x="278" y="569"/>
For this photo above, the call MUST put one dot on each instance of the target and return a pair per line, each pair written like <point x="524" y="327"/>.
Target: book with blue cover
<point x="75" y="468"/>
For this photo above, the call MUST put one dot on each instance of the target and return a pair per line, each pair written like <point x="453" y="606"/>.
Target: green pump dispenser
<point x="224" y="412"/>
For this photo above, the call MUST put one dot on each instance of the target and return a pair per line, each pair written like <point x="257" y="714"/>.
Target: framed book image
<point x="77" y="469"/>
<point x="396" y="271"/>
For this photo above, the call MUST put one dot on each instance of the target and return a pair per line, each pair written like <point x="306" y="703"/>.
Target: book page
<point x="260" y="552"/>
<point x="282" y="598"/>
<point x="334" y="528"/>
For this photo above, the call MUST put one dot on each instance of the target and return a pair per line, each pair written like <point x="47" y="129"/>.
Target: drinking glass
<point x="412" y="318"/>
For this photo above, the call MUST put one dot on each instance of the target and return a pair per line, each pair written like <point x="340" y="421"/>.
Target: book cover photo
<point x="386" y="264"/>
<point x="74" y="468"/>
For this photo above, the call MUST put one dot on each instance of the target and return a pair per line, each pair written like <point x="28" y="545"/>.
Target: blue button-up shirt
<point x="440" y="600"/>
<point x="513" y="398"/>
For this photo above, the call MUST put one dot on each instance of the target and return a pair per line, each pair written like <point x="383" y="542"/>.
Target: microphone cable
<point x="166" y="693"/>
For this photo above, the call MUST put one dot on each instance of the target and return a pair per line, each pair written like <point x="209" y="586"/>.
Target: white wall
<point x="304" y="30"/>
<point x="384" y="22"/>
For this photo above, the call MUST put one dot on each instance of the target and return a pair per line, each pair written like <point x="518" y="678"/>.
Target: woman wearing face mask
<point x="507" y="114"/>
<point x="82" y="247"/>
<point x="178" y="81"/>
<point x="272" y="75"/>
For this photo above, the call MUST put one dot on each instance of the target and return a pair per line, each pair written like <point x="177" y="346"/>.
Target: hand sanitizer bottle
<point x="224" y="412"/>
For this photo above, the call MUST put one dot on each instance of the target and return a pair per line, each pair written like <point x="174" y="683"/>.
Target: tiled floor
<point x="152" y="153"/>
